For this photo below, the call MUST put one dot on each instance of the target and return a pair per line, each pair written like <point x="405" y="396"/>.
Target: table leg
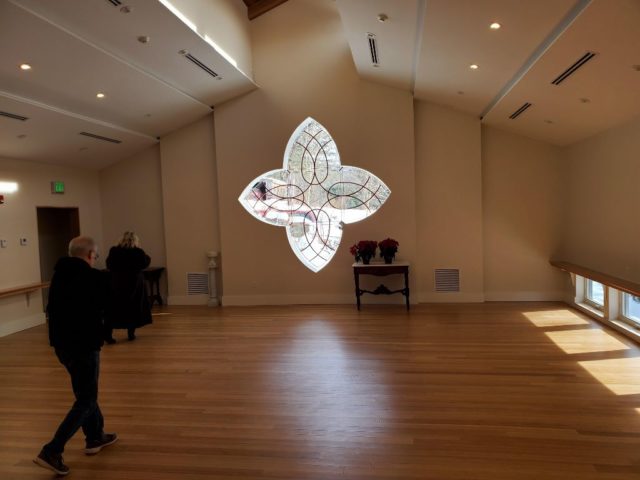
<point x="356" y="276"/>
<point x="406" y="288"/>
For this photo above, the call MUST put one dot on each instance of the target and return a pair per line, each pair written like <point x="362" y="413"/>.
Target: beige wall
<point x="131" y="193"/>
<point x="304" y="67"/>
<point x="449" y="201"/>
<point x="190" y="200"/>
<point x="602" y="230"/>
<point x="523" y="197"/>
<point x="20" y="265"/>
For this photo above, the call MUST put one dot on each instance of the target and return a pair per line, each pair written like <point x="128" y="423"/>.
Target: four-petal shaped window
<point x="313" y="195"/>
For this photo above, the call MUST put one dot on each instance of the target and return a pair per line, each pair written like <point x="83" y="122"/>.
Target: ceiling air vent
<point x="447" y="280"/>
<point x="100" y="137"/>
<point x="198" y="63"/>
<point x="197" y="283"/>
<point x="519" y="111"/>
<point x="115" y="3"/>
<point x="572" y="69"/>
<point x="14" y="116"/>
<point x="373" y="49"/>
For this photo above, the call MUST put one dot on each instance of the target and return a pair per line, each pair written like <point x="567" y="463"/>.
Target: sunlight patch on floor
<point x="620" y="375"/>
<point x="586" y="341"/>
<point x="555" y="318"/>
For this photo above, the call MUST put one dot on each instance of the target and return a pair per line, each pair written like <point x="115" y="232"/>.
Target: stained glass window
<point x="313" y="195"/>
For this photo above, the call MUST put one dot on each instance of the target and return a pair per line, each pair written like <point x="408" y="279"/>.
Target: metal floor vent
<point x="14" y="116"/>
<point x="572" y="69"/>
<point x="115" y="3"/>
<point x="197" y="283"/>
<point x="519" y="111"/>
<point x="447" y="279"/>
<point x="373" y="49"/>
<point x="198" y="63"/>
<point x="100" y="137"/>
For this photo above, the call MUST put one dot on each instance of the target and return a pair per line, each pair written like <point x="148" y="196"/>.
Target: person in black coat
<point x="75" y="313"/>
<point x="128" y="306"/>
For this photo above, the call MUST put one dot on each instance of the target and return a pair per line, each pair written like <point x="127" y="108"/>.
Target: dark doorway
<point x="56" y="227"/>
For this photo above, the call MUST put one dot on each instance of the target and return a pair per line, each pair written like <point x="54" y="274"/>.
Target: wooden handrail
<point x="613" y="282"/>
<point x="9" y="292"/>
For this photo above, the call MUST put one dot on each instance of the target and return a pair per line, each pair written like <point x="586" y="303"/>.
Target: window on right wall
<point x="630" y="308"/>
<point x="594" y="293"/>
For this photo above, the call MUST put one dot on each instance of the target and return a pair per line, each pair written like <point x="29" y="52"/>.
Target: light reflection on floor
<point x="586" y="341"/>
<point x="620" y="375"/>
<point x="334" y="378"/>
<point x="555" y="318"/>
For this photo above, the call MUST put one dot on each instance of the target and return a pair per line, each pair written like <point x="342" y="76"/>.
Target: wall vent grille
<point x="14" y="116"/>
<point x="100" y="137"/>
<point x="519" y="111"/>
<point x="447" y="279"/>
<point x="573" y="68"/>
<point x="373" y="49"/>
<point x="197" y="283"/>
<point x="198" y="63"/>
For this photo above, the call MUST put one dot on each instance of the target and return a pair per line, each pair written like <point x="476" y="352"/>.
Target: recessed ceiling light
<point x="100" y="95"/>
<point x="495" y="26"/>
<point x="473" y="66"/>
<point x="382" y="17"/>
<point x="25" y="66"/>
<point x="21" y="136"/>
<point x="550" y="122"/>
<point x="126" y="9"/>
<point x="585" y="100"/>
<point x="636" y="67"/>
<point x="460" y="92"/>
<point x="144" y="39"/>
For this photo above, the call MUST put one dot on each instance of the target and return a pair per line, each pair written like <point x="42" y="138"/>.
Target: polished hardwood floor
<point x="443" y="392"/>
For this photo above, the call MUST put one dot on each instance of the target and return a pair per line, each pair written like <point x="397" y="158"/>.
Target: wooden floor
<point x="493" y="391"/>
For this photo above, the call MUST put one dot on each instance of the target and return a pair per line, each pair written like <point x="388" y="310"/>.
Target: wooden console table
<point x="152" y="276"/>
<point x="381" y="270"/>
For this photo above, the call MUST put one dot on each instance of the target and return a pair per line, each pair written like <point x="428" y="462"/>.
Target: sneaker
<point x="52" y="462"/>
<point x="94" y="446"/>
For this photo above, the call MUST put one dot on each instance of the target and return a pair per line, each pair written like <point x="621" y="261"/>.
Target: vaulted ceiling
<point x="157" y="73"/>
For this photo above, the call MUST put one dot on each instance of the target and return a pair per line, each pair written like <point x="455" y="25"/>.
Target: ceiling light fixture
<point x="473" y="66"/>
<point x="8" y="187"/>
<point x="636" y="67"/>
<point x="382" y="17"/>
<point x="550" y="122"/>
<point x="495" y="26"/>
<point x="100" y="95"/>
<point x="585" y="100"/>
<point x="25" y="66"/>
<point x="144" y="39"/>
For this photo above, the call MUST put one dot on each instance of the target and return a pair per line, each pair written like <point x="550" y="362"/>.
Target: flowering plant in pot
<point x="388" y="248"/>
<point x="364" y="250"/>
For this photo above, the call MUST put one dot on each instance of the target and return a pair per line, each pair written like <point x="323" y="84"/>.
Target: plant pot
<point x="366" y="259"/>
<point x="388" y="259"/>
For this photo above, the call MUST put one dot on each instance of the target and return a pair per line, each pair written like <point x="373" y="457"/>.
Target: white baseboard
<point x="19" y="324"/>
<point x="310" y="299"/>
<point x="559" y="296"/>
<point x="188" y="300"/>
<point x="450" y="297"/>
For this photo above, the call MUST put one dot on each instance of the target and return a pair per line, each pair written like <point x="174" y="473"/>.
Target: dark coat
<point x="128" y="305"/>
<point x="77" y="297"/>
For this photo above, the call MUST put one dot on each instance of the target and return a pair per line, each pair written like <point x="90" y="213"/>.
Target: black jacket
<point x="76" y="304"/>
<point x="128" y="305"/>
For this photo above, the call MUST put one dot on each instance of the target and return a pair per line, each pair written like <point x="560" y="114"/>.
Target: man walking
<point x="76" y="302"/>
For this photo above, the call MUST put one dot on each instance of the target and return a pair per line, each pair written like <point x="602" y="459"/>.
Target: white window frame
<point x="588" y="301"/>
<point x="623" y="311"/>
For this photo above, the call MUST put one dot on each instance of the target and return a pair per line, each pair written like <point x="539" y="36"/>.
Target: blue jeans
<point x="84" y="368"/>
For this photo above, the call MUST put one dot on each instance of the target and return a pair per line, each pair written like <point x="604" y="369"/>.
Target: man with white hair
<point x="75" y="311"/>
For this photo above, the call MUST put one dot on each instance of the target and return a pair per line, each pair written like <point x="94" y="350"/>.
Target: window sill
<point x="626" y="328"/>
<point x="590" y="310"/>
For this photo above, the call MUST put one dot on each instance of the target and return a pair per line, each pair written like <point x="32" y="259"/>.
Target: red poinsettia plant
<point x="388" y="247"/>
<point x="364" y="249"/>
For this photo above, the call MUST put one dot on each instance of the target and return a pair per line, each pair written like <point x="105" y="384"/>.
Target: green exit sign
<point x="57" y="187"/>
